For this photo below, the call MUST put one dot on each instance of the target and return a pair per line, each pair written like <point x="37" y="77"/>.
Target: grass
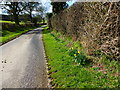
<point x="2" y="21"/>
<point x="8" y="35"/>
<point x="9" y="32"/>
<point x="11" y="22"/>
<point x="11" y="35"/>
<point x="66" y="70"/>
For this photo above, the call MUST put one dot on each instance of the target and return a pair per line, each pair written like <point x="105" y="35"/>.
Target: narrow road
<point x="23" y="62"/>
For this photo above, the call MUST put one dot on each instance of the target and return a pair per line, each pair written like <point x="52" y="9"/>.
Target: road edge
<point x="46" y="61"/>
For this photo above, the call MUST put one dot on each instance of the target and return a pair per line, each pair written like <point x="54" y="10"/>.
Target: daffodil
<point x="78" y="51"/>
<point x="75" y="55"/>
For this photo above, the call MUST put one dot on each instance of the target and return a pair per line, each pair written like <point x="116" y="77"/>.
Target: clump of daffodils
<point x="79" y="56"/>
<point x="76" y="53"/>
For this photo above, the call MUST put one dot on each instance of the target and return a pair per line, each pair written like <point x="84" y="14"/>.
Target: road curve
<point x="23" y="62"/>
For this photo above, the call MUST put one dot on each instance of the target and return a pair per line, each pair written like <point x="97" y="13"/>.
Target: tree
<point x="30" y="7"/>
<point x="14" y="9"/>
<point x="58" y="6"/>
<point x="42" y="12"/>
<point x="24" y="17"/>
<point x="35" y="7"/>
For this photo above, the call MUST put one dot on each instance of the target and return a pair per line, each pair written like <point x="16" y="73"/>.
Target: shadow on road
<point x="36" y="31"/>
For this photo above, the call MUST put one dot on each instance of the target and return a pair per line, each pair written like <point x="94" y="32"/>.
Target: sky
<point x="47" y="4"/>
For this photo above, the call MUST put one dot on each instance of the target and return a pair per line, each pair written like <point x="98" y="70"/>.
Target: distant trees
<point x="42" y="12"/>
<point x="14" y="9"/>
<point x="19" y="9"/>
<point x="24" y="17"/>
<point x="58" y="6"/>
<point x="30" y="7"/>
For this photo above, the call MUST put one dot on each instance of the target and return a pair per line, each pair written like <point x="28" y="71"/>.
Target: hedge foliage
<point x="95" y="24"/>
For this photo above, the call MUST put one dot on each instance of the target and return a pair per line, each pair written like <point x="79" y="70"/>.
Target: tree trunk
<point x="16" y="19"/>
<point x="31" y="17"/>
<point x="43" y="20"/>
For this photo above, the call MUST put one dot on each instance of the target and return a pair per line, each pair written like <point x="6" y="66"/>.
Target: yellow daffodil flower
<point x="78" y="51"/>
<point x="74" y="54"/>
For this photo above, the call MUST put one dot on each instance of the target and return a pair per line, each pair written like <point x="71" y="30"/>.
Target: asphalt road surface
<point x="23" y="62"/>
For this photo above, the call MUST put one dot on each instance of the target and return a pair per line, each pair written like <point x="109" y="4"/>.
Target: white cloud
<point x="47" y="4"/>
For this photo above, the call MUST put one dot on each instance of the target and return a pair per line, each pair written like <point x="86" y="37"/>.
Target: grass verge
<point x="9" y="35"/>
<point x="2" y="21"/>
<point x="70" y="67"/>
<point x="10" y="22"/>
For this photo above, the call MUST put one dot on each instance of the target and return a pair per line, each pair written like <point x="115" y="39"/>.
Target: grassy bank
<point x="2" y="21"/>
<point x="70" y="67"/>
<point x="10" y="30"/>
<point x="8" y="35"/>
<point x="11" y="22"/>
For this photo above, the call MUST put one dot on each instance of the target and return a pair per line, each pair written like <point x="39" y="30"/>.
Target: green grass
<point x="8" y="35"/>
<point x="66" y="72"/>
<point x="2" y="21"/>
<point x="11" y="22"/>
